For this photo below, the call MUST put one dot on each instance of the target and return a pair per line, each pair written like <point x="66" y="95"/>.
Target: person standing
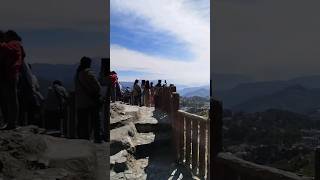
<point x="136" y="93"/>
<point x="30" y="98"/>
<point x="152" y="94"/>
<point x="165" y="83"/>
<point x="156" y="94"/>
<point x="113" y="77"/>
<point x="55" y="106"/>
<point x="147" y="94"/>
<point x="13" y="57"/>
<point x="88" y="101"/>
<point x="143" y="83"/>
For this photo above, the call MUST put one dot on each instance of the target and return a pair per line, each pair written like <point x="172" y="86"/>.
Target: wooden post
<point x="105" y="80"/>
<point x="175" y="122"/>
<point x="216" y="114"/>
<point x="188" y="141"/>
<point x="317" y="164"/>
<point x="168" y="100"/>
<point x="161" y="98"/>
<point x="195" y="146"/>
<point x="181" y="131"/>
<point x="202" y="149"/>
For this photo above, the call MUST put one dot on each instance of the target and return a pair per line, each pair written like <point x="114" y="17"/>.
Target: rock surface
<point x="140" y="145"/>
<point x="28" y="154"/>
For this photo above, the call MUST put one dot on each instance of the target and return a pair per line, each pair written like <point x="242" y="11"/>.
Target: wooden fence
<point x="229" y="167"/>
<point x="190" y="133"/>
<point x="193" y="134"/>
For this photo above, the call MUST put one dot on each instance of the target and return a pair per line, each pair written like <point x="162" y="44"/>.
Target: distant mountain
<point x="47" y="73"/>
<point x="228" y="81"/>
<point x="311" y="82"/>
<point x="126" y="84"/>
<point x="202" y="91"/>
<point x="245" y="91"/>
<point x="294" y="98"/>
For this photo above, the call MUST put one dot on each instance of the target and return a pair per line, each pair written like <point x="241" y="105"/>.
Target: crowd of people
<point x="141" y="94"/>
<point x="21" y="102"/>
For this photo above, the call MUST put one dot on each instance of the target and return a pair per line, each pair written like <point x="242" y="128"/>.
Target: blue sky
<point x="161" y="39"/>
<point x="147" y="39"/>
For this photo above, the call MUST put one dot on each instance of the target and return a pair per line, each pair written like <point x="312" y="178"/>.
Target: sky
<point x="267" y="39"/>
<point x="161" y="39"/>
<point x="58" y="31"/>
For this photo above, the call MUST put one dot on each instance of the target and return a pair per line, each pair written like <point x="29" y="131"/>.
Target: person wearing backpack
<point x="13" y="57"/>
<point x="88" y="101"/>
<point x="55" y="105"/>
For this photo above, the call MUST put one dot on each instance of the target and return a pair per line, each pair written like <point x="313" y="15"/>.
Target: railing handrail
<point x="241" y="167"/>
<point x="190" y="133"/>
<point x="192" y="116"/>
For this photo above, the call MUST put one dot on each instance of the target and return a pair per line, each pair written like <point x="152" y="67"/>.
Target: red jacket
<point x="13" y="58"/>
<point x="114" y="79"/>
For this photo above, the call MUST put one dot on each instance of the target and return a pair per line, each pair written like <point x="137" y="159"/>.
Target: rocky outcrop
<point x="140" y="144"/>
<point x="27" y="153"/>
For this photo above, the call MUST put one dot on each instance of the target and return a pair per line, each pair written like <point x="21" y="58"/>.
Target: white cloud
<point x="180" y="18"/>
<point x="196" y="72"/>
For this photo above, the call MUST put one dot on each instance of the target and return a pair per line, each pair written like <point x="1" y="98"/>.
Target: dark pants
<point x="88" y="120"/>
<point x="3" y="105"/>
<point x="156" y="101"/>
<point x="11" y="104"/>
<point x="137" y="100"/>
<point x="52" y="120"/>
<point x="29" y="115"/>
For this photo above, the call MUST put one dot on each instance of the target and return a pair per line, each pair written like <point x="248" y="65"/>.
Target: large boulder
<point x="27" y="153"/>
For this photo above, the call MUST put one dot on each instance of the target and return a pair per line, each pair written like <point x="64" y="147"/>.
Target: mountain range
<point x="294" y="98"/>
<point x="298" y="95"/>
<point x="47" y="73"/>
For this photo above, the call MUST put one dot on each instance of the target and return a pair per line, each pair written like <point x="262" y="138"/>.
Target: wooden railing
<point x="190" y="133"/>
<point x="229" y="167"/>
<point x="193" y="135"/>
